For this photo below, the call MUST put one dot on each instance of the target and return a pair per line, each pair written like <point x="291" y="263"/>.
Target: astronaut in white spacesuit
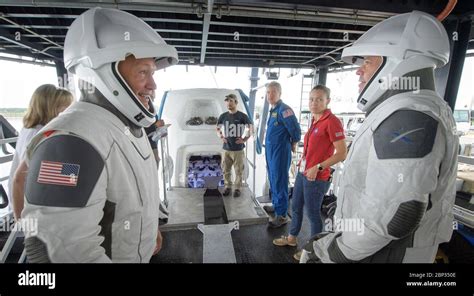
<point x="92" y="180"/>
<point x="398" y="180"/>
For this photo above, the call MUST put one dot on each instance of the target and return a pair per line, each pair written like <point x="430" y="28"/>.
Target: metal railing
<point x="166" y="177"/>
<point x="253" y="163"/>
<point x="8" y="157"/>
<point x="7" y="218"/>
<point x="465" y="159"/>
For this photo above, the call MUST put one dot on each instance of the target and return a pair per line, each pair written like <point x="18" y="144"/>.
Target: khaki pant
<point x="236" y="159"/>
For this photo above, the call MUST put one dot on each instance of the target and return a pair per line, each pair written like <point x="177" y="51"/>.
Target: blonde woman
<point x="46" y="103"/>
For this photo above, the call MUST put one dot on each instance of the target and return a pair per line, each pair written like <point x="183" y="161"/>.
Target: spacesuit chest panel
<point x="141" y="145"/>
<point x="133" y="184"/>
<point x="139" y="165"/>
<point x="356" y="155"/>
<point x="131" y="159"/>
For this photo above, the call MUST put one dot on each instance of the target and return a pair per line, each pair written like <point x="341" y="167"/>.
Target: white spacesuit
<point x="92" y="180"/>
<point x="398" y="180"/>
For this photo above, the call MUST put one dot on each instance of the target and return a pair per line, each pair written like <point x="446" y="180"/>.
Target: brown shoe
<point x="236" y="193"/>
<point x="283" y="241"/>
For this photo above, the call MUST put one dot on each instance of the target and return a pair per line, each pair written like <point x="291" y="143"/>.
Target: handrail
<point x="8" y="140"/>
<point x="164" y="162"/>
<point x="465" y="159"/>
<point x="7" y="158"/>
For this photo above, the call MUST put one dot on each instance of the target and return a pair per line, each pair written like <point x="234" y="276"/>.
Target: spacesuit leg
<point x="420" y="255"/>
<point x="308" y="255"/>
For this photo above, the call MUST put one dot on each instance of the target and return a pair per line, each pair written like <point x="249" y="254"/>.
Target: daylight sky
<point x="18" y="81"/>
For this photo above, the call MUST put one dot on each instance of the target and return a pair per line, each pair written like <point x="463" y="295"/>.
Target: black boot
<point x="226" y="192"/>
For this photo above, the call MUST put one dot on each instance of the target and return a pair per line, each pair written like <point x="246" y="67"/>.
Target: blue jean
<point x="309" y="195"/>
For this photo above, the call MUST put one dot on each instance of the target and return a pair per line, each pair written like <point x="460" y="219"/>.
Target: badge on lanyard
<point x="274" y="114"/>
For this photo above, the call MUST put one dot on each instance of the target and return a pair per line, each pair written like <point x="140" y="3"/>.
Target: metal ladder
<point x="306" y="86"/>
<point x="304" y="118"/>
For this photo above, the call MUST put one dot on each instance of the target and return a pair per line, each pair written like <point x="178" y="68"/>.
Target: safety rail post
<point x="253" y="162"/>
<point x="3" y="142"/>
<point x="164" y="165"/>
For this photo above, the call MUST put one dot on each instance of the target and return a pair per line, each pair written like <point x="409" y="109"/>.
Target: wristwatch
<point x="320" y="168"/>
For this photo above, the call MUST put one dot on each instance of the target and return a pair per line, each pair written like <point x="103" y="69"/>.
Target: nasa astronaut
<point x="92" y="179"/>
<point x="282" y="136"/>
<point x="399" y="176"/>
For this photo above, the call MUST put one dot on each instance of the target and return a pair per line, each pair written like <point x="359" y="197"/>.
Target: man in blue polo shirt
<point x="283" y="134"/>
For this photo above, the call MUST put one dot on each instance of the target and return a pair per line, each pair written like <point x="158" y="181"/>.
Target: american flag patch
<point x="287" y="113"/>
<point x="58" y="173"/>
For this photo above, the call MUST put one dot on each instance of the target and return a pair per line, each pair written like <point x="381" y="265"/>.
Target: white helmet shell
<point x="408" y="42"/>
<point x="101" y="37"/>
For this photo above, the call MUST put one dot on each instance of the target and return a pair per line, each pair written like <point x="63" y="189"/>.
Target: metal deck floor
<point x="252" y="244"/>
<point x="186" y="208"/>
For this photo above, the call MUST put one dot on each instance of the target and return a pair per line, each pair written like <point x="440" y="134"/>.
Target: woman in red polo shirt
<point x="324" y="146"/>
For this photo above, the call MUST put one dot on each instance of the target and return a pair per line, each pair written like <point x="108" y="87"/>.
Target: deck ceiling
<point x="220" y="33"/>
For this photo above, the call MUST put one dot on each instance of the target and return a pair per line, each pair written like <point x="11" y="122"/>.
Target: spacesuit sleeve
<point x="65" y="197"/>
<point x="403" y="168"/>
<point x="291" y="123"/>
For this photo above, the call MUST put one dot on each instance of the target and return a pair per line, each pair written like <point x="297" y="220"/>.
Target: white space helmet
<point x="101" y="37"/>
<point x="407" y="42"/>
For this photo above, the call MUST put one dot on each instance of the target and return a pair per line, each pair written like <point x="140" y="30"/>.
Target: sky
<point x="18" y="81"/>
<point x="466" y="92"/>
